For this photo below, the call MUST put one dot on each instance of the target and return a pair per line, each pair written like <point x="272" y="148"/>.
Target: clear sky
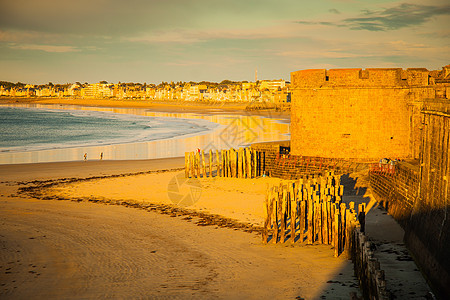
<point x="182" y="40"/>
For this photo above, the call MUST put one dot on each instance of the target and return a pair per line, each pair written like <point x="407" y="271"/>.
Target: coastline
<point x="89" y="249"/>
<point x="251" y="126"/>
<point x="66" y="223"/>
<point x="157" y="106"/>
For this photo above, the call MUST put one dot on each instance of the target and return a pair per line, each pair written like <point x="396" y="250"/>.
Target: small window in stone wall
<point x="285" y="150"/>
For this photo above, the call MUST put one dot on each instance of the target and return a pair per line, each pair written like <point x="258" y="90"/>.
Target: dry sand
<point x="65" y="249"/>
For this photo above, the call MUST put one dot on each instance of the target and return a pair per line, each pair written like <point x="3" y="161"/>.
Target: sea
<point x="28" y="129"/>
<point x="50" y="133"/>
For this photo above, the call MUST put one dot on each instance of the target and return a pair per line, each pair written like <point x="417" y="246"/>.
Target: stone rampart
<point x="418" y="196"/>
<point x="360" y="114"/>
<point x="360" y="78"/>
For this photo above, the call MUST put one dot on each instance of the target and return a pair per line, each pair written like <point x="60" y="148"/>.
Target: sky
<point x="151" y="41"/>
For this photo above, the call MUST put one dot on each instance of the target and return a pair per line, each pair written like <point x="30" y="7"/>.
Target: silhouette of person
<point x="101" y="156"/>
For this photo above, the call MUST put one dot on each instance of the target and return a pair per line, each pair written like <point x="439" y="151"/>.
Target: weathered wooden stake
<point x="310" y="215"/>
<point x="186" y="164"/>
<point x="203" y="164"/>
<point x="330" y="222"/>
<point x="192" y="160"/>
<point x="301" y="221"/>
<point x="319" y="222"/>
<point x="283" y="203"/>
<point x="197" y="163"/>
<point x="248" y="154"/>
<point x="276" y="207"/>
<point x="210" y="163"/>
<point x="293" y="213"/>
<point x="324" y="223"/>
<point x="217" y="163"/>
<point x="342" y="227"/>
<point x="336" y="234"/>
<point x="267" y="214"/>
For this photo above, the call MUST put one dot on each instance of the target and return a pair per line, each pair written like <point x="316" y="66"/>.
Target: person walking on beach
<point x="85" y="156"/>
<point x="101" y="156"/>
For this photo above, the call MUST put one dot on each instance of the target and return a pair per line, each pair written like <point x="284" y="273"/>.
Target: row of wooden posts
<point x="310" y="210"/>
<point x="241" y="163"/>
<point x="367" y="268"/>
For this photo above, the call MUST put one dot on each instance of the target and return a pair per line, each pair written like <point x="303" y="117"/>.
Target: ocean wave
<point x="85" y="128"/>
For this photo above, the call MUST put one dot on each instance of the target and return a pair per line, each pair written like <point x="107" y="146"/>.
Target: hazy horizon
<point x="154" y="41"/>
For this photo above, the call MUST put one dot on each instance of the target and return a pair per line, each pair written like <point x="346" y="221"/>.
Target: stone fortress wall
<point x="361" y="114"/>
<point x="370" y="114"/>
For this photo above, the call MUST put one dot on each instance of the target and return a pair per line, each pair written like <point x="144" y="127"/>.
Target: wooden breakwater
<point x="311" y="210"/>
<point x="367" y="268"/>
<point x="240" y="163"/>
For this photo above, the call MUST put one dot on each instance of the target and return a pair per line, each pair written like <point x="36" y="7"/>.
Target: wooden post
<point x="293" y="213"/>
<point x="248" y="153"/>
<point x="337" y="180"/>
<point x="232" y="163"/>
<point x="283" y="215"/>
<point x="342" y="227"/>
<point x="275" y="207"/>
<point x="186" y="164"/>
<point x="245" y="162"/>
<point x="242" y="163"/>
<point x="319" y="221"/>
<point x="192" y="163"/>
<point x="228" y="163"/>
<point x="259" y="165"/>
<point x="255" y="163"/>
<point x="324" y="223"/>
<point x="362" y="217"/>
<point x="217" y="163"/>
<point x="301" y="220"/>
<point x="352" y="206"/>
<point x="224" y="163"/>
<point x="333" y="225"/>
<point x="330" y="216"/>
<point x="336" y="234"/>
<point x="226" y="159"/>
<point x="348" y="230"/>
<point x="203" y="164"/>
<point x="310" y="221"/>
<point x="238" y="165"/>
<point x="267" y="215"/>
<point x="210" y="162"/>
<point x="197" y="162"/>
<point x="192" y="155"/>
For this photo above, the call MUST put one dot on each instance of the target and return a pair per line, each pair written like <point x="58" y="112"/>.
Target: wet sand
<point x="70" y="249"/>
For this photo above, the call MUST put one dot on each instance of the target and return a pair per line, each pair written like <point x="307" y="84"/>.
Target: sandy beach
<point x="71" y="249"/>
<point x="110" y="228"/>
<point x="87" y="248"/>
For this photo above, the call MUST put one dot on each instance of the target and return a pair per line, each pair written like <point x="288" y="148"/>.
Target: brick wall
<point x="397" y="192"/>
<point x="287" y="166"/>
